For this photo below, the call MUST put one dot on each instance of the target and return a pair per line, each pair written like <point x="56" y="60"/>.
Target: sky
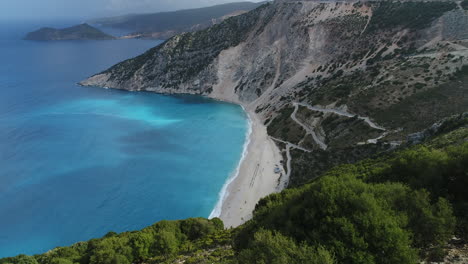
<point x="86" y="9"/>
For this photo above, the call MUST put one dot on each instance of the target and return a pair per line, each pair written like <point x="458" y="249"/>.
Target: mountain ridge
<point x="164" y="25"/>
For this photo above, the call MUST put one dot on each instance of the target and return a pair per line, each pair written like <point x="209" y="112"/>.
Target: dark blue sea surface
<point x="78" y="162"/>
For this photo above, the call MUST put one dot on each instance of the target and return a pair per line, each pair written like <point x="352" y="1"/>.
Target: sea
<point x="78" y="162"/>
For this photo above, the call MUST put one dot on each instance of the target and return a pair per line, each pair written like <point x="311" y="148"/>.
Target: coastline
<point x="223" y="194"/>
<point x="253" y="179"/>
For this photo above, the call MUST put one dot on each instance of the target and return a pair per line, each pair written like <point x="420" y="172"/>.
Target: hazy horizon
<point x="88" y="9"/>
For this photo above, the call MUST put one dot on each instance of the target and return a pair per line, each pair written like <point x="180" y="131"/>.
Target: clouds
<point x="91" y="8"/>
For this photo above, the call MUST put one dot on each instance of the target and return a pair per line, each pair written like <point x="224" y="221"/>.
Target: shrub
<point x="274" y="248"/>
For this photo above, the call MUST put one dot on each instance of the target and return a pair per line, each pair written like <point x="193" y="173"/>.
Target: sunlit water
<point x="77" y="162"/>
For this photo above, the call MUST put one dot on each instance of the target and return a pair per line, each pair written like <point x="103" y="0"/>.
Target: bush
<point x="162" y="240"/>
<point x="274" y="248"/>
<point x="21" y="259"/>
<point x="441" y="172"/>
<point x="385" y="210"/>
<point x="61" y="261"/>
<point x="166" y="243"/>
<point x="345" y="215"/>
<point x="464" y="4"/>
<point x="197" y="228"/>
<point x="413" y="15"/>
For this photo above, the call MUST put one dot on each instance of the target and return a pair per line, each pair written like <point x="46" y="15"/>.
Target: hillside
<point x="399" y="207"/>
<point x="333" y="82"/>
<point x="164" y="25"/>
<point x="83" y="31"/>
<point x="366" y="101"/>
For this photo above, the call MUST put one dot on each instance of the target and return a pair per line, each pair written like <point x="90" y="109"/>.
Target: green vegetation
<point x="443" y="173"/>
<point x="309" y="166"/>
<point x="393" y="209"/>
<point x="274" y="248"/>
<point x="413" y="15"/>
<point x="347" y="132"/>
<point x="422" y="109"/>
<point x="158" y="243"/>
<point x="83" y="31"/>
<point x="283" y="127"/>
<point x="396" y="208"/>
<point x="464" y="4"/>
<point x="356" y="221"/>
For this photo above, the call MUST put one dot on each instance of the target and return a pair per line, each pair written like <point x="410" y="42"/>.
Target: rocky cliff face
<point x="317" y="72"/>
<point x="186" y="63"/>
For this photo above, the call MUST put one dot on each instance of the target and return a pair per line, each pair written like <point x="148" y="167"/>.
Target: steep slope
<point x="400" y="64"/>
<point x="167" y="24"/>
<point x="83" y="31"/>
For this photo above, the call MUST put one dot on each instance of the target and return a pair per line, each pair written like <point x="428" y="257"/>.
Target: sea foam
<point x="224" y="193"/>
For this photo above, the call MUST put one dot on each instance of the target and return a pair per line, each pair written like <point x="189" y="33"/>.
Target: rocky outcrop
<point x="184" y="63"/>
<point x="447" y="124"/>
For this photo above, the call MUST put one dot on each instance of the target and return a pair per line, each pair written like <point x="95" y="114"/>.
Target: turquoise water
<point x="78" y="162"/>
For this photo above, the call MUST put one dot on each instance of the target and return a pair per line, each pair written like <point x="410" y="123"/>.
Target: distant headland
<point x="79" y="32"/>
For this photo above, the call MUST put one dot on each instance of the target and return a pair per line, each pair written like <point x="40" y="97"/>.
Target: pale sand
<point x="256" y="177"/>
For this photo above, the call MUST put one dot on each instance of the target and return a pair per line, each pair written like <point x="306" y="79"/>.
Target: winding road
<point x="342" y="113"/>
<point x="307" y="129"/>
<point x="289" y="145"/>
<point x="311" y="132"/>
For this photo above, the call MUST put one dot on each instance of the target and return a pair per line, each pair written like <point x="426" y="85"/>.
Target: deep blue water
<point x="77" y="162"/>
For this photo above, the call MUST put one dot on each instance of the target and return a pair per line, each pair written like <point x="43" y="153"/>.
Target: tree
<point x="21" y="259"/>
<point x="141" y="245"/>
<point x="166" y="243"/>
<point x="273" y="248"/>
<point x="343" y="214"/>
<point x="61" y="261"/>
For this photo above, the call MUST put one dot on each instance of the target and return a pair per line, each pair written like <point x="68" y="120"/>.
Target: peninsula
<point x="83" y="31"/>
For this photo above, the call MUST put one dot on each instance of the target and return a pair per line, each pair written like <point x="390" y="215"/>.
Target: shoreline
<point x="253" y="179"/>
<point x="224" y="193"/>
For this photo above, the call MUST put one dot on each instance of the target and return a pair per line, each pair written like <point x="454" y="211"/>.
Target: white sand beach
<point x="256" y="176"/>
